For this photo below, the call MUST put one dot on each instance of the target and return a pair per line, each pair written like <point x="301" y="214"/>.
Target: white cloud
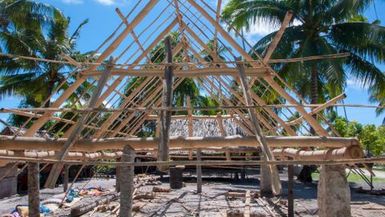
<point x="354" y="84"/>
<point x="106" y="2"/>
<point x="264" y="28"/>
<point x="73" y="1"/>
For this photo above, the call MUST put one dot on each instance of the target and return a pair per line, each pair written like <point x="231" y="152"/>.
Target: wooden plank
<point x="165" y="116"/>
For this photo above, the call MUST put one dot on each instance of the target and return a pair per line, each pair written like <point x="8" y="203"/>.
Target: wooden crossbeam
<point x="93" y="145"/>
<point x="193" y="72"/>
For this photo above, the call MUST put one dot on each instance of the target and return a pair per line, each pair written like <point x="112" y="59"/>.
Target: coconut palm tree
<point x="321" y="27"/>
<point x="34" y="29"/>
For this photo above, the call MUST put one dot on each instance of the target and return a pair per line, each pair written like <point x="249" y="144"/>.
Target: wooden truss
<point x="236" y="77"/>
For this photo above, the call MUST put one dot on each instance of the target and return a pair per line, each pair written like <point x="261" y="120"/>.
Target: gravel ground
<point x="213" y="202"/>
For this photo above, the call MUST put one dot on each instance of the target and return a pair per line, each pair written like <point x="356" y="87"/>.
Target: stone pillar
<point x="33" y="190"/>
<point x="126" y="182"/>
<point x="333" y="192"/>
<point x="265" y="180"/>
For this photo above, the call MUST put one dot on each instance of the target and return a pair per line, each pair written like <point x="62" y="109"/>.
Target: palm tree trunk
<point x="305" y="174"/>
<point x="50" y="87"/>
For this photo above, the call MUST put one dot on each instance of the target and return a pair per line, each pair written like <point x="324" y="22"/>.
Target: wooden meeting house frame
<point x="89" y="137"/>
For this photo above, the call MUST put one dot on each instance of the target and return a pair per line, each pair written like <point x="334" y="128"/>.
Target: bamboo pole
<point x="77" y="129"/>
<point x="41" y="121"/>
<point x="275" y="185"/>
<point x="269" y="79"/>
<point x="190" y="124"/>
<point x="320" y="108"/>
<point x="273" y="45"/>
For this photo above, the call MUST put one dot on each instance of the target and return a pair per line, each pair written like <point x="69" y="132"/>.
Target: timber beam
<point x="94" y="145"/>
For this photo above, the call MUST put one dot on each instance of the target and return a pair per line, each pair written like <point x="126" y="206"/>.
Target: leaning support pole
<point x="75" y="134"/>
<point x="165" y="115"/>
<point x="199" y="172"/>
<point x="126" y="182"/>
<point x="33" y="190"/>
<point x="333" y="192"/>
<point x="267" y="172"/>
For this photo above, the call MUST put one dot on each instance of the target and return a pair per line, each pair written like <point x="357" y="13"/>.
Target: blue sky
<point x="103" y="20"/>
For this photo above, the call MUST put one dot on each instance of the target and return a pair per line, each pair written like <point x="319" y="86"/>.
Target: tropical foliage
<point x="29" y="28"/>
<point x="372" y="138"/>
<point x="319" y="28"/>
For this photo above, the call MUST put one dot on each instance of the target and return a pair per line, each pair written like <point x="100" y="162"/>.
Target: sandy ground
<point x="213" y="201"/>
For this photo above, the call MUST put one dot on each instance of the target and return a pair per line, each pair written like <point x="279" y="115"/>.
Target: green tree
<point x="38" y="30"/>
<point x="372" y="138"/>
<point x="324" y="27"/>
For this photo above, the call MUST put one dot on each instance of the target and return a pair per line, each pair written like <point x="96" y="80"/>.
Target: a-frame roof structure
<point x="198" y="24"/>
<point x="109" y="101"/>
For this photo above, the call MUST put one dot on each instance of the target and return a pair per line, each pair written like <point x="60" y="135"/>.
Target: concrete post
<point x="333" y="192"/>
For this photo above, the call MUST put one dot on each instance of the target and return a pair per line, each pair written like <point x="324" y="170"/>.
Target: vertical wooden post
<point x="33" y="190"/>
<point x="117" y="176"/>
<point x="190" y="125"/>
<point x="126" y="182"/>
<point x="65" y="177"/>
<point x="199" y="172"/>
<point x="290" y="194"/>
<point x="165" y="115"/>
